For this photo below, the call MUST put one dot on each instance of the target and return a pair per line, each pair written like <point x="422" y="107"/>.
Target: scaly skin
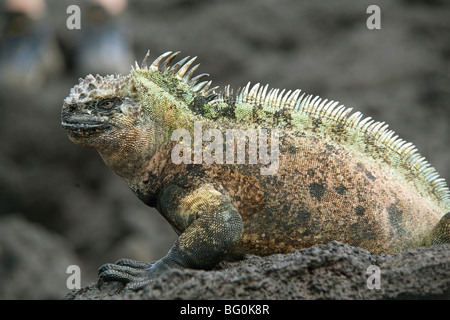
<point x="338" y="176"/>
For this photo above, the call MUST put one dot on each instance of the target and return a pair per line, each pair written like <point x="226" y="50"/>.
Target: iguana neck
<point x="130" y="158"/>
<point x="152" y="175"/>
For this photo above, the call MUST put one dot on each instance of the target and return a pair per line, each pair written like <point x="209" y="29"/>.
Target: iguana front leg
<point x="208" y="224"/>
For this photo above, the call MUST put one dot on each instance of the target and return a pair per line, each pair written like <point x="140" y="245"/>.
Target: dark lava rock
<point x="333" y="271"/>
<point x="33" y="261"/>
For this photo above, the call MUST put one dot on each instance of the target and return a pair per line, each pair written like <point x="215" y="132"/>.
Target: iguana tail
<point x="440" y="233"/>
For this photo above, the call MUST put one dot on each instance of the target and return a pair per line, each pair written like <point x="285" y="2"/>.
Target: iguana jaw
<point x="81" y="126"/>
<point x="84" y="128"/>
<point x="124" y="148"/>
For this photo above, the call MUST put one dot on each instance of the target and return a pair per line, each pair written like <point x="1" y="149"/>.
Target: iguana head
<point x="127" y="118"/>
<point x="98" y="109"/>
<point x="107" y="114"/>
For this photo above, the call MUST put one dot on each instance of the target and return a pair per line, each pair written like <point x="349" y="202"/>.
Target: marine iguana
<point x="329" y="175"/>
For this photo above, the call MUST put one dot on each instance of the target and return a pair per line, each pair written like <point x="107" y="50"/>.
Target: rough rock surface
<point x="33" y="261"/>
<point x="333" y="271"/>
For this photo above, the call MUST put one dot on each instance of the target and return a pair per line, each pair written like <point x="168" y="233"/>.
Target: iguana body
<point x="336" y="176"/>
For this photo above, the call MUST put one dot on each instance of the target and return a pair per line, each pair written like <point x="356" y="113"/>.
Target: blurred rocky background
<point x="60" y="205"/>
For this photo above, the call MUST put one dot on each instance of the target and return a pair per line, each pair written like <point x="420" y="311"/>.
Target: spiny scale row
<point x="181" y="70"/>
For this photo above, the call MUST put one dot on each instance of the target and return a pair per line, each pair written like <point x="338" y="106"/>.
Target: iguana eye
<point x="108" y="103"/>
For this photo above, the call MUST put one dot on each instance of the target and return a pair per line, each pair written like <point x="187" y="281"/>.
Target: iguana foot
<point x="133" y="274"/>
<point x="204" y="242"/>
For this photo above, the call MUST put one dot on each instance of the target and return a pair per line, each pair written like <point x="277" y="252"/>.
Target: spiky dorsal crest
<point x="182" y="70"/>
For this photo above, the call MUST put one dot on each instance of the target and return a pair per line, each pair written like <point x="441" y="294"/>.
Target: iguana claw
<point x="133" y="274"/>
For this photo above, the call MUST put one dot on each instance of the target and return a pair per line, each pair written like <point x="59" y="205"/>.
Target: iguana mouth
<point x="84" y="126"/>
